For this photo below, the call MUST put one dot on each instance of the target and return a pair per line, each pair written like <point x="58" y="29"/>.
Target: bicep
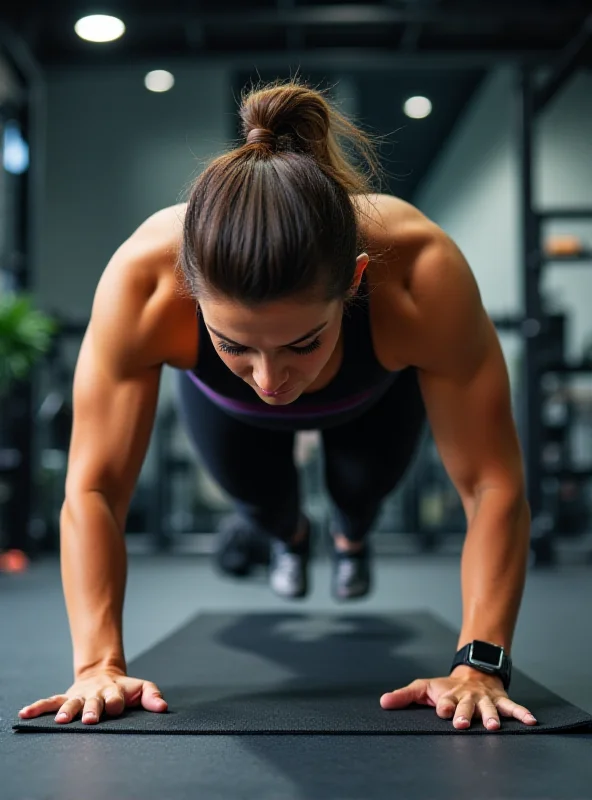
<point x="464" y="378"/>
<point x="473" y="425"/>
<point x="112" y="424"/>
<point x="115" y="394"/>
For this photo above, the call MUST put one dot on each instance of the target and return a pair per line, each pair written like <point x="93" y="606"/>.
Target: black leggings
<point x="364" y="459"/>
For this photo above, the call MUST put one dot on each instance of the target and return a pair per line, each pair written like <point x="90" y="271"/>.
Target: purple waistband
<point x="256" y="410"/>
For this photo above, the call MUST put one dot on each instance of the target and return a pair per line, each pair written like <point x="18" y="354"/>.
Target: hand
<point x="460" y="697"/>
<point x="105" y="690"/>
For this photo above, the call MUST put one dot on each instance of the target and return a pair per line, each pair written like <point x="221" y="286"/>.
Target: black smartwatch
<point x="485" y="657"/>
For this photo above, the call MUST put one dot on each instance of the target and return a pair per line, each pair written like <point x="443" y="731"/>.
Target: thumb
<point x="401" y="698"/>
<point x="152" y="699"/>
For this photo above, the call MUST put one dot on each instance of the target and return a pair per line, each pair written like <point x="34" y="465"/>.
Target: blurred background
<point x="486" y="113"/>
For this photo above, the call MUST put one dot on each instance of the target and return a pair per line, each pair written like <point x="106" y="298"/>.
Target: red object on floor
<point x="14" y="561"/>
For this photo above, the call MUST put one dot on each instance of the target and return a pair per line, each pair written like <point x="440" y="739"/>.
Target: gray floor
<point x="553" y="645"/>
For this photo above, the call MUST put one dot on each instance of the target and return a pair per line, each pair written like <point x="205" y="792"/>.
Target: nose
<point x="269" y="378"/>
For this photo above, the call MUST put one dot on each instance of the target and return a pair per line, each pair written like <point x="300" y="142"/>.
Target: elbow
<point x="509" y="500"/>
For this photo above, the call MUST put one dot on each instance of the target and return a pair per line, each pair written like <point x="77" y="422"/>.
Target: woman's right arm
<point x="115" y="394"/>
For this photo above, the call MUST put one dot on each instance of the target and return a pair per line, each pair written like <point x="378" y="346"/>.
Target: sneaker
<point x="288" y="574"/>
<point x="239" y="548"/>
<point x="351" y="578"/>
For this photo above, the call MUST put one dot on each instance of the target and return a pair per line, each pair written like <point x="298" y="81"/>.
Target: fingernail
<point x="492" y="723"/>
<point x="462" y="720"/>
<point x="61" y="716"/>
<point x="90" y="717"/>
<point x="529" y="718"/>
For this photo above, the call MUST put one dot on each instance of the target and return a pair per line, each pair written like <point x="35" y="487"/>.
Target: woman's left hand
<point x="461" y="696"/>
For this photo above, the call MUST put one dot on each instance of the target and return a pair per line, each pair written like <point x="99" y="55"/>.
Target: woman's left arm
<point x="466" y="390"/>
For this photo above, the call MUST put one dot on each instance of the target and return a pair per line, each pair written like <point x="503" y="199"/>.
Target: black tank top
<point x="360" y="382"/>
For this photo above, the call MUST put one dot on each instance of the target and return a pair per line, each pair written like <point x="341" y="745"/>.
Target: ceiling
<point x="389" y="50"/>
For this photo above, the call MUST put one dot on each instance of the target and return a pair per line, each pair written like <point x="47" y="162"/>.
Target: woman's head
<point x="272" y="245"/>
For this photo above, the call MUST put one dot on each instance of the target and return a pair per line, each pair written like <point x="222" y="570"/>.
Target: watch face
<point x="485" y="653"/>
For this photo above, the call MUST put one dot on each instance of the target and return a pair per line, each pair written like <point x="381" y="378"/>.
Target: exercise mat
<point x="275" y="673"/>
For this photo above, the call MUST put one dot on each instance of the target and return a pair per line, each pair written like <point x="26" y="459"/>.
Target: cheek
<point x="314" y="363"/>
<point x="240" y="366"/>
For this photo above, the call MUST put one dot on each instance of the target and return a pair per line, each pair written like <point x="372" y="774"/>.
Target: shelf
<point x="573" y="368"/>
<point x="567" y="474"/>
<point x="565" y="213"/>
<point x="580" y="258"/>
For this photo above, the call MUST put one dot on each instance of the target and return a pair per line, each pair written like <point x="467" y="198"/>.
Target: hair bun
<point x="262" y="136"/>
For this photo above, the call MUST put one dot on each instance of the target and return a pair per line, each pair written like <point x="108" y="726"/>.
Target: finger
<point x="446" y="706"/>
<point x="415" y="692"/>
<point x="93" y="708"/>
<point x="510" y="709"/>
<point x="114" y="701"/>
<point x="70" y="709"/>
<point x="465" y="711"/>
<point x="489" y="714"/>
<point x="152" y="699"/>
<point x="46" y="706"/>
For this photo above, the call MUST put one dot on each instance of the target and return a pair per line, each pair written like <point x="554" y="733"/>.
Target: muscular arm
<point x="466" y="390"/>
<point x="116" y="387"/>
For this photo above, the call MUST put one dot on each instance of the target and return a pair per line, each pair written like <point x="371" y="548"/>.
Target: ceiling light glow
<point x="418" y="107"/>
<point x="99" y="28"/>
<point x="159" y="80"/>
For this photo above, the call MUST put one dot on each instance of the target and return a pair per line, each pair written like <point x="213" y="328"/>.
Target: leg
<point x="366" y="459"/>
<point x="254" y="466"/>
<point x="364" y="462"/>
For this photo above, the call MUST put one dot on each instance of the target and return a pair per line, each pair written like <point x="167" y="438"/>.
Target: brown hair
<point x="276" y="217"/>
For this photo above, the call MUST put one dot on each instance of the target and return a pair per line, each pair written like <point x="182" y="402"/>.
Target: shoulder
<point x="390" y="226"/>
<point x="425" y="295"/>
<point x="405" y="247"/>
<point x="140" y="308"/>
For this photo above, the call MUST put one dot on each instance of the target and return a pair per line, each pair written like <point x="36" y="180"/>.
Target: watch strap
<point x="504" y="671"/>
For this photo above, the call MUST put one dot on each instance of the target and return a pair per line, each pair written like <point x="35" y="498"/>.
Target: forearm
<point x="94" y="574"/>
<point x="493" y="568"/>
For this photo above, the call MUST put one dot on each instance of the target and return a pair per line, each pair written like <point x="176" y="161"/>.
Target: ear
<point x="362" y="262"/>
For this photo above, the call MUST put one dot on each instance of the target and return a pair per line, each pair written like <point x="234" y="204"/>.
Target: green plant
<point x="25" y="335"/>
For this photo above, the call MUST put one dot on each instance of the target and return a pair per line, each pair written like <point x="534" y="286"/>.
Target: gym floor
<point x="552" y="645"/>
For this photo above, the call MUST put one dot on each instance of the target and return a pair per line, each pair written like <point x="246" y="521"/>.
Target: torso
<point x="395" y="233"/>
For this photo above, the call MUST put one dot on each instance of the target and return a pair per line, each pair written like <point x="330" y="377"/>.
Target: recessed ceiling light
<point x="418" y="107"/>
<point x="159" y="80"/>
<point x="99" y="28"/>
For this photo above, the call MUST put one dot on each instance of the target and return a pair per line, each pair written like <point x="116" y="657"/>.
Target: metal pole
<point x="533" y="311"/>
<point x="31" y="121"/>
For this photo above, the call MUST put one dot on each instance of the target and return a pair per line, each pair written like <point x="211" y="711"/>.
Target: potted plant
<point x="25" y="336"/>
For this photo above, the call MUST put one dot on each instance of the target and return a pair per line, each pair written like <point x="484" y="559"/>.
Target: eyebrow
<point x="318" y="329"/>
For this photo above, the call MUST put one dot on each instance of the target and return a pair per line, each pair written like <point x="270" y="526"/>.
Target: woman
<point x="321" y="305"/>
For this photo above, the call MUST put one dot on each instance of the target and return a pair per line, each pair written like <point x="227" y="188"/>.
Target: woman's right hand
<point x="107" y="690"/>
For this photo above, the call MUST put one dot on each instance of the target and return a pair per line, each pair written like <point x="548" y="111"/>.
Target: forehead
<point x="270" y="324"/>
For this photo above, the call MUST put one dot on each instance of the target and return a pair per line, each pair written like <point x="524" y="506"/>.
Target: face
<point x="278" y="349"/>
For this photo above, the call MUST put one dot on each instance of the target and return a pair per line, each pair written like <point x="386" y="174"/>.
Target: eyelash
<point x="301" y="351"/>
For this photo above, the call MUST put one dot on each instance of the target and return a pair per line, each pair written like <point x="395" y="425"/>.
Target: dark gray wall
<point x="115" y="154"/>
<point x="474" y="193"/>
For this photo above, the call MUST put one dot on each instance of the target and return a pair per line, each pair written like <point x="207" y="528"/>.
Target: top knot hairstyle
<point x="276" y="217"/>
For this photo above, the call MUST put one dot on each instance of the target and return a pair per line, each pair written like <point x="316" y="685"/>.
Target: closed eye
<point x="232" y="350"/>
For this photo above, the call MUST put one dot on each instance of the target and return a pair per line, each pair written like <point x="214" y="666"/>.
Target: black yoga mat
<point x="299" y="673"/>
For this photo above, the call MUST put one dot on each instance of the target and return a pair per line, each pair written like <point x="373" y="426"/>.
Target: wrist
<point x="111" y="663"/>
<point x="484" y="658"/>
<point x="464" y="672"/>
